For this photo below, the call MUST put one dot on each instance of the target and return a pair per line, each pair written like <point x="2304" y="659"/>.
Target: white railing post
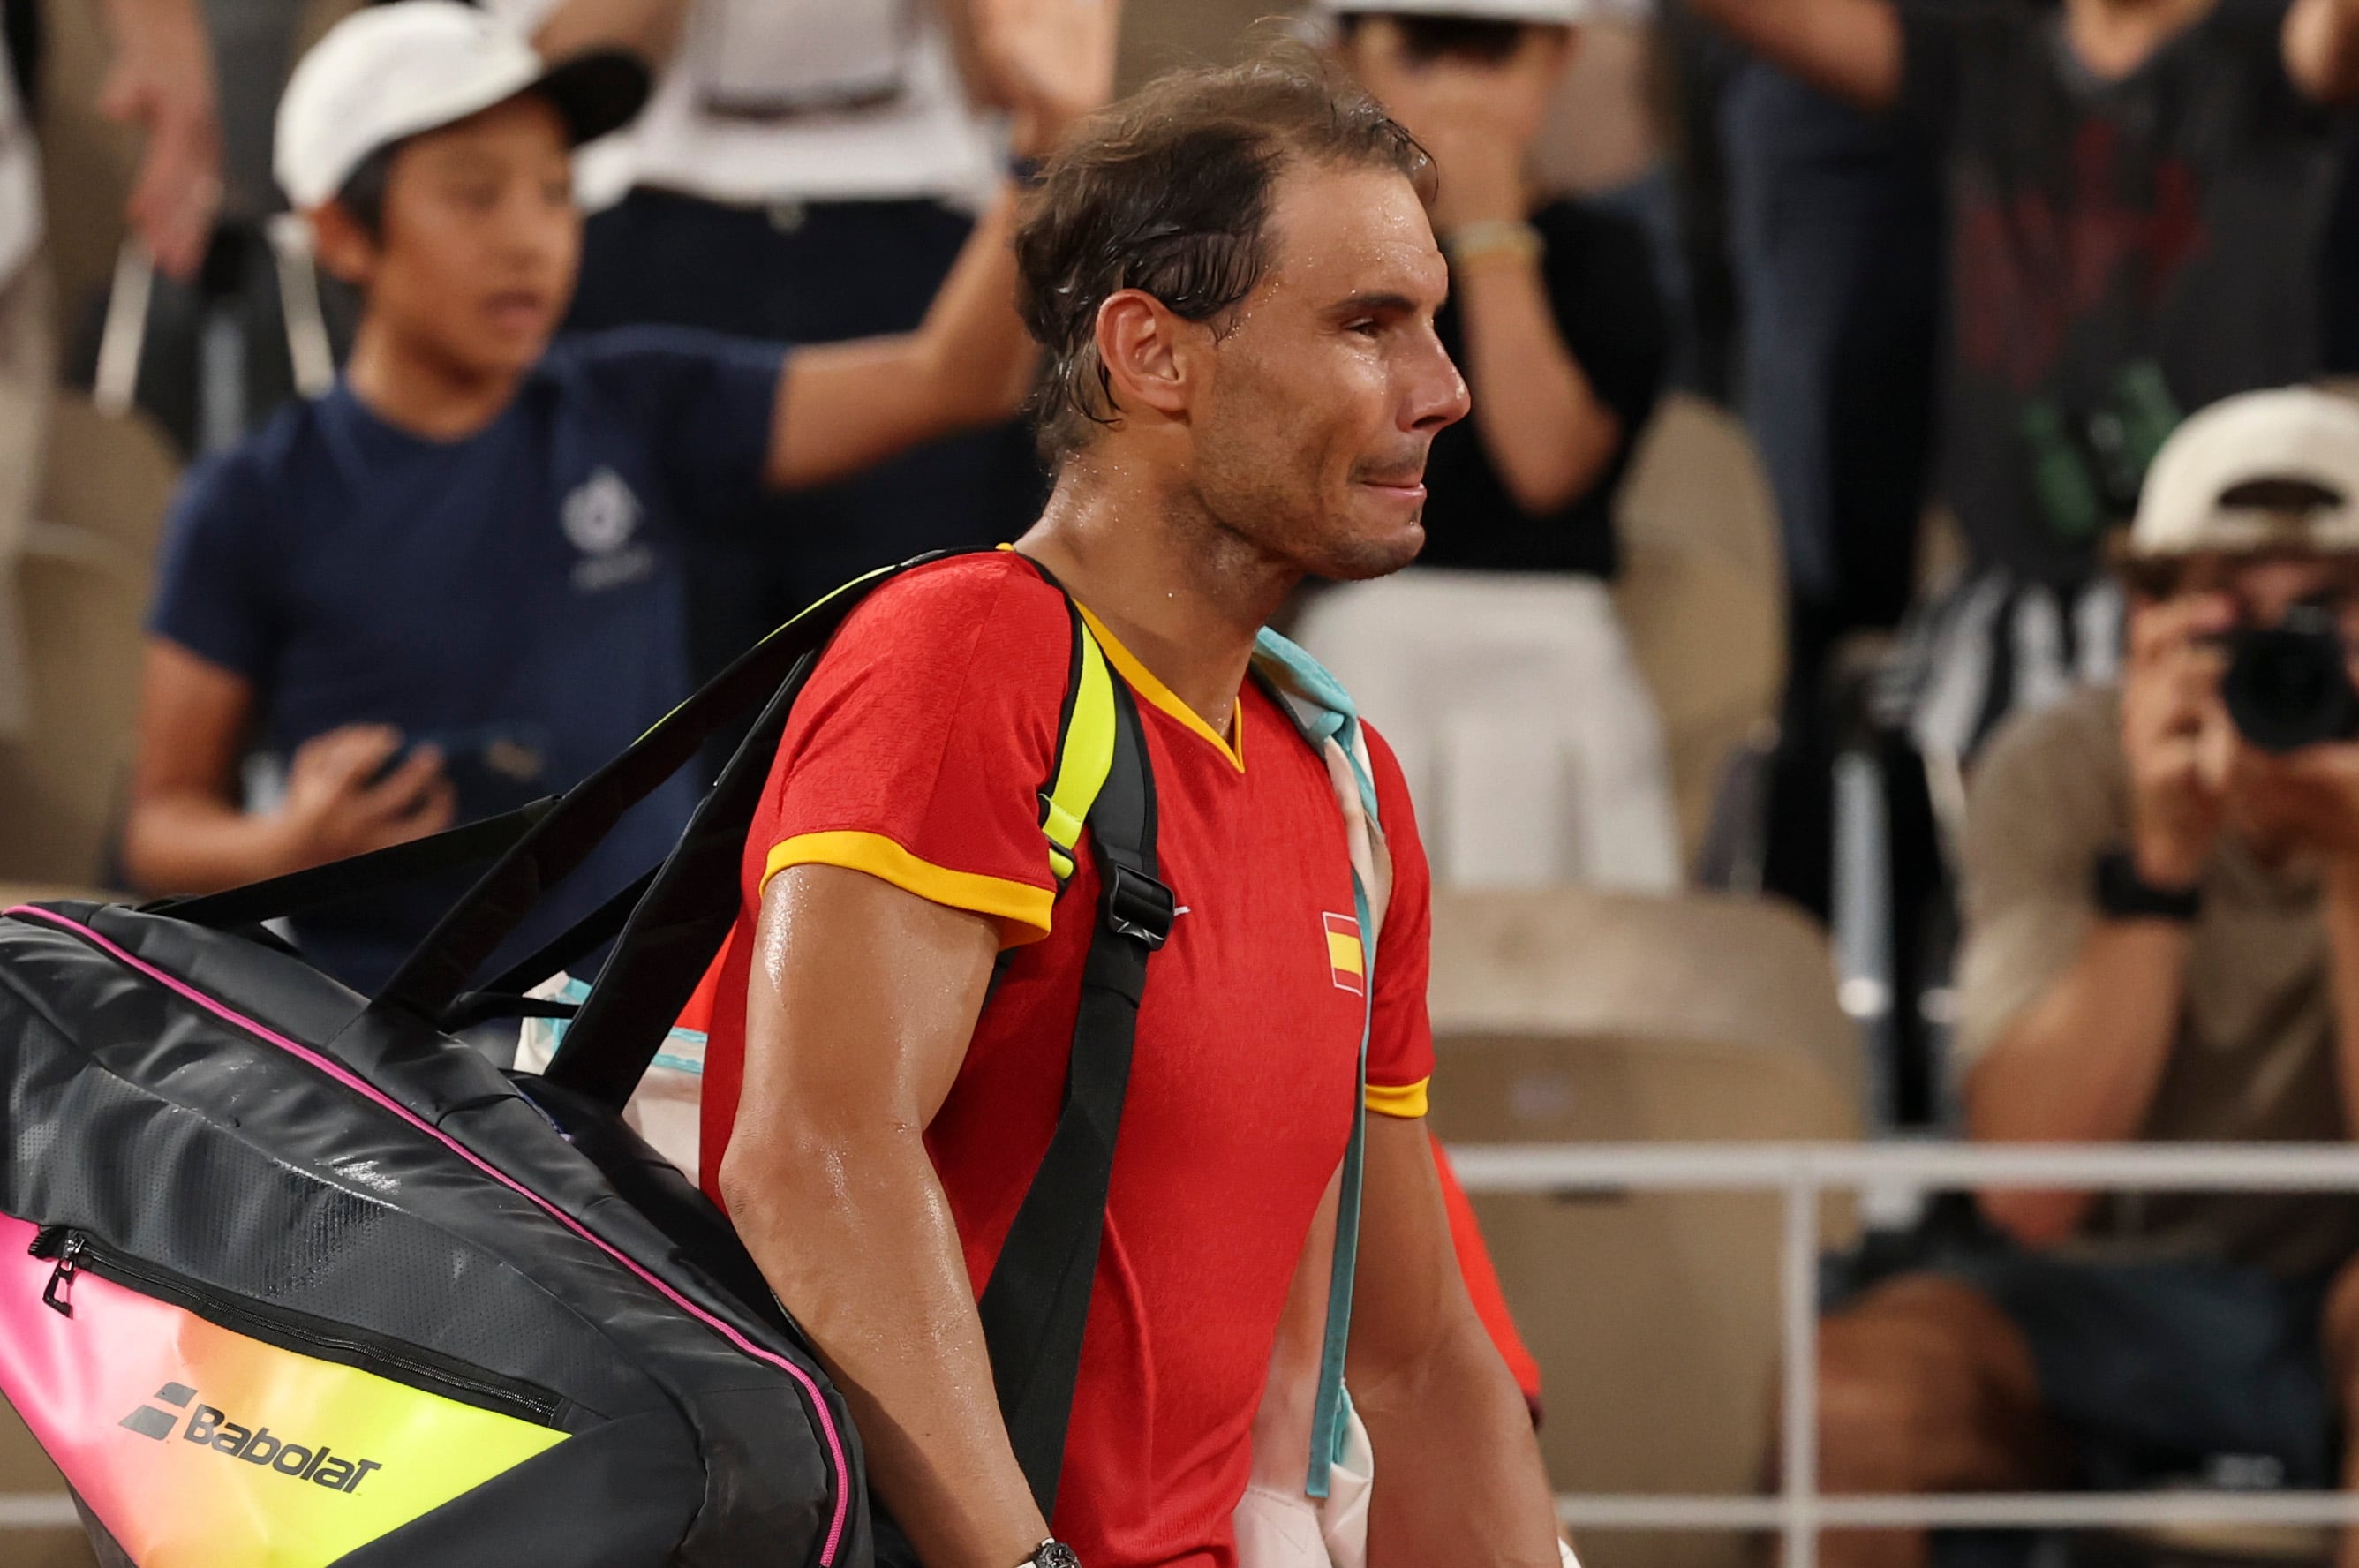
<point x="1798" y="1289"/>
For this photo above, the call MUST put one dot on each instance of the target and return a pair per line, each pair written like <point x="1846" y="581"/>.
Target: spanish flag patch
<point x="1345" y="958"/>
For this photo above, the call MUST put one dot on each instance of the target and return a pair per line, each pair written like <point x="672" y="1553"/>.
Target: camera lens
<point x="2288" y="686"/>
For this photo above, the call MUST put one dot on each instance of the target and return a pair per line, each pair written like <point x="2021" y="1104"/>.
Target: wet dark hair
<point x="1485" y="38"/>
<point x="1170" y="192"/>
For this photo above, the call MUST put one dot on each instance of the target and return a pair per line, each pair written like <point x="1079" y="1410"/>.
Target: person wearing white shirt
<point x="806" y="171"/>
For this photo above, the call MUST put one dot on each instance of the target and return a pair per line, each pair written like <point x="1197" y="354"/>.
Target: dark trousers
<point x="817" y="272"/>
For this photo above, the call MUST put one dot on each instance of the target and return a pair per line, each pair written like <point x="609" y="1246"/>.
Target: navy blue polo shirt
<point x="519" y="589"/>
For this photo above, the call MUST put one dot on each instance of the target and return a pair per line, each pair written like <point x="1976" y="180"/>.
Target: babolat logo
<point x="209" y="1428"/>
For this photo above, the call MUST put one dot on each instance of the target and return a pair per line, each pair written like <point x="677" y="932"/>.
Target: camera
<point x="2289" y="685"/>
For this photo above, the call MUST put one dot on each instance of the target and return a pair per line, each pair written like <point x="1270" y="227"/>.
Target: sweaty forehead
<point x="1338" y="232"/>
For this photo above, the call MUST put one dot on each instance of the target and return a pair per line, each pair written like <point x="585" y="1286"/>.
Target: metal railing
<point x="37" y="1511"/>
<point x="1803" y="1173"/>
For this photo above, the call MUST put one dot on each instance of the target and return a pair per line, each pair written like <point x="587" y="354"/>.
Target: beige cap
<point x="1561" y="12"/>
<point x="2296" y="435"/>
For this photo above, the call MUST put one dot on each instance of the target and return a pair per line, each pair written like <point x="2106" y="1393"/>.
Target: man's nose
<point x="1438" y="395"/>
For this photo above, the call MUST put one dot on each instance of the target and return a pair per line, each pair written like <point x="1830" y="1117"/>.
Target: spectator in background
<point x="451" y="584"/>
<point x="2162" y="943"/>
<point x="2135" y="196"/>
<point x="1510" y="691"/>
<point x="1836" y="248"/>
<point x="806" y="171"/>
<point x="161" y="80"/>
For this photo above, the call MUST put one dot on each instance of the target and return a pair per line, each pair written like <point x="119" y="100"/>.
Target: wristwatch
<point x="1051" y="1554"/>
<point x="2123" y="895"/>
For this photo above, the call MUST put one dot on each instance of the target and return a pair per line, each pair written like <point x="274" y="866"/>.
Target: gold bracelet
<point x="1492" y="236"/>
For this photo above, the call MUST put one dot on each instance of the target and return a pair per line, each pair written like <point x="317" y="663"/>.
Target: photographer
<point x="2162" y="943"/>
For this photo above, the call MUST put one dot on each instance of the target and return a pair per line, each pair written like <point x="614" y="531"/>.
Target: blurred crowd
<point x="1865" y="502"/>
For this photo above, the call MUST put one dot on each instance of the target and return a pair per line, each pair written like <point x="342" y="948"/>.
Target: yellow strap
<point x="1085" y="760"/>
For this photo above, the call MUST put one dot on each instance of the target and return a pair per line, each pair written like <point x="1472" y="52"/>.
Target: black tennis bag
<point x="289" y="1276"/>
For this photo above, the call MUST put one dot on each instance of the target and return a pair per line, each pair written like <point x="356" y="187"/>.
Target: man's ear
<point x="343" y="246"/>
<point x="1148" y="353"/>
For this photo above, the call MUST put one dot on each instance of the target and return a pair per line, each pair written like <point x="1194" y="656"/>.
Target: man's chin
<point x="1358" y="558"/>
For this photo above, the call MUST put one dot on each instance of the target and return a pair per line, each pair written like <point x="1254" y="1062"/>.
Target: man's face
<point x="481" y="239"/>
<point x="1329" y="383"/>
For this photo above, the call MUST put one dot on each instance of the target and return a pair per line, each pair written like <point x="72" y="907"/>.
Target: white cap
<point x="1560" y="11"/>
<point x="392" y="71"/>
<point x="2297" y="434"/>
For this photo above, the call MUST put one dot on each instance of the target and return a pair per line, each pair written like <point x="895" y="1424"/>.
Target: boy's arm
<point x="843" y="407"/>
<point x="863" y="1001"/>
<point x="1452" y="1433"/>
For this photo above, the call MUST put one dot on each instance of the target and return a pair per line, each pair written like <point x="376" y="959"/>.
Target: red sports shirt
<point x="919" y="755"/>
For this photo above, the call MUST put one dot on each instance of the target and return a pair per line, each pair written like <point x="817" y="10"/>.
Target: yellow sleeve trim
<point x="1407" y="1101"/>
<point x="1021" y="909"/>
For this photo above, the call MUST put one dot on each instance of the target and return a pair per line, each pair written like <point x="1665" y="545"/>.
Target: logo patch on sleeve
<point x="1345" y="959"/>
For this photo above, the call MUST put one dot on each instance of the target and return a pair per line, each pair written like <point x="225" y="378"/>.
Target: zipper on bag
<point x="75" y="1252"/>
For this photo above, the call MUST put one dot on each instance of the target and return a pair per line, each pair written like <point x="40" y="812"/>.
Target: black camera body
<point x="2289" y="685"/>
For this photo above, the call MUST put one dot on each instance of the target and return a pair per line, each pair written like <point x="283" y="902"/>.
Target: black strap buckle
<point x="1138" y="906"/>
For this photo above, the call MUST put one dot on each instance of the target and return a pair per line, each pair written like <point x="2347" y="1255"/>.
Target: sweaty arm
<point x="1849" y="48"/>
<point x="862" y="1000"/>
<point x="2321" y="50"/>
<point x="1462" y="1476"/>
<point x="845" y="406"/>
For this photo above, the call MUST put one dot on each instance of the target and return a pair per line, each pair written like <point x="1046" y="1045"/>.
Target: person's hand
<point x="1047" y="62"/>
<point x="1478" y="120"/>
<point x="161" y="81"/>
<point x="2177" y="736"/>
<point x="333" y="810"/>
<point x="2311" y="795"/>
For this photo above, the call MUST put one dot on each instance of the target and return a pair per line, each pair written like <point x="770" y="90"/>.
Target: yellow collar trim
<point x="1142" y="681"/>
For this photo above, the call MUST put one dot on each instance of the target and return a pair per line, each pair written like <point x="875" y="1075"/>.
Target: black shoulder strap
<point x="433" y="976"/>
<point x="300" y="892"/>
<point x="1036" y="1306"/>
<point x="674" y="930"/>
